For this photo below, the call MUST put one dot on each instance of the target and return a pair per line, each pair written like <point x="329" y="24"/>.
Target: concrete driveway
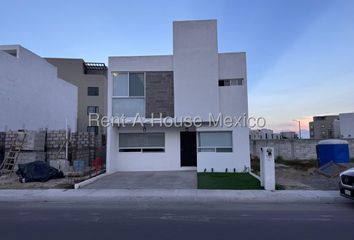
<point x="147" y="180"/>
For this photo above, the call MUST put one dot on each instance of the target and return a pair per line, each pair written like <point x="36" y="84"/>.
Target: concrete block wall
<point x="33" y="148"/>
<point x="10" y="138"/>
<point x="34" y="140"/>
<point x="292" y="149"/>
<point x="55" y="139"/>
<point x="82" y="146"/>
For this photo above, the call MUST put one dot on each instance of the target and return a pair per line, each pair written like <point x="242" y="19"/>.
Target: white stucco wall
<point x="141" y="63"/>
<point x="31" y="95"/>
<point x="195" y="68"/>
<point x="233" y="102"/>
<point x="346" y="125"/>
<point x="146" y="161"/>
<point x="239" y="158"/>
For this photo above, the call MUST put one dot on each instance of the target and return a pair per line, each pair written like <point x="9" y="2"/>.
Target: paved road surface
<point x="162" y="220"/>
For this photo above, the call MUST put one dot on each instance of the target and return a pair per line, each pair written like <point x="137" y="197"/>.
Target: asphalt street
<point x="175" y="220"/>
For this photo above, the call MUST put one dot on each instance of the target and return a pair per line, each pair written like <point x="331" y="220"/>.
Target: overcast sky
<point x="300" y="53"/>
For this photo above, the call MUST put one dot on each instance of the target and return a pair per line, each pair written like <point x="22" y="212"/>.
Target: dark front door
<point x="188" y="149"/>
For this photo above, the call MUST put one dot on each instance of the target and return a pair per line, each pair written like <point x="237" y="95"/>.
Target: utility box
<point x="267" y="168"/>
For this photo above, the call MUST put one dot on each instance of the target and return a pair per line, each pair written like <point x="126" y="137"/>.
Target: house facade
<point x="178" y="100"/>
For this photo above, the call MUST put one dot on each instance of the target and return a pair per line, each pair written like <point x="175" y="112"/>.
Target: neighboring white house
<point x="288" y="135"/>
<point x="195" y="81"/>
<point x="336" y="128"/>
<point x="31" y="94"/>
<point x="346" y="125"/>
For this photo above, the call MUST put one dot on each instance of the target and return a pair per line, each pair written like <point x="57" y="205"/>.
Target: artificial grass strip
<point x="236" y="181"/>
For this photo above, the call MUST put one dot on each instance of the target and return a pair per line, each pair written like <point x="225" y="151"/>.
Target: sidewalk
<point x="244" y="196"/>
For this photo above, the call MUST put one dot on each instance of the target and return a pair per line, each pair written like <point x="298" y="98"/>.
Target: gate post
<point x="267" y="168"/>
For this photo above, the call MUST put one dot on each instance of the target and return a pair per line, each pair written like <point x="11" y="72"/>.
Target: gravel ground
<point x="292" y="177"/>
<point x="7" y="182"/>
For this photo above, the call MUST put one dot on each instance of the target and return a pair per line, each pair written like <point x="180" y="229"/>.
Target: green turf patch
<point x="239" y="181"/>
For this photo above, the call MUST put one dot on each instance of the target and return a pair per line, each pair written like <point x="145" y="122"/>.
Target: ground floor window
<point x="215" y="141"/>
<point x="141" y="142"/>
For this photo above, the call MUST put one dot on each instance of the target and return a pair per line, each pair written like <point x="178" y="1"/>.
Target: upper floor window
<point x="130" y="84"/>
<point x="231" y="82"/>
<point x="92" y="109"/>
<point x="128" y="94"/>
<point x="92" y="91"/>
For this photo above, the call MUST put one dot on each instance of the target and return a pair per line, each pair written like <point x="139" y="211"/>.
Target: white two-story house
<point x="177" y="97"/>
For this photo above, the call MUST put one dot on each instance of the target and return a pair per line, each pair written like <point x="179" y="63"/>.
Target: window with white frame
<point x="141" y="142"/>
<point x="128" y="93"/>
<point x="215" y="141"/>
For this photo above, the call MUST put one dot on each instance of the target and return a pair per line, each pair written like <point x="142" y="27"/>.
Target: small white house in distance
<point x="191" y="85"/>
<point x="346" y="125"/>
<point x="31" y="94"/>
<point x="263" y="134"/>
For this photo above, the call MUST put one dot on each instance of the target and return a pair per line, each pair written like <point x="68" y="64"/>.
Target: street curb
<point x="172" y="195"/>
<point x="90" y="180"/>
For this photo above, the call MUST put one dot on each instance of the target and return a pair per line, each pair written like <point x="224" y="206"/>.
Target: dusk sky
<point x="300" y="53"/>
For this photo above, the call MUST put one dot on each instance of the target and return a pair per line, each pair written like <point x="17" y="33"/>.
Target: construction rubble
<point x="75" y="155"/>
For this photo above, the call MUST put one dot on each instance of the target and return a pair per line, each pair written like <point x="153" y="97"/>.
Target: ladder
<point x="8" y="165"/>
<point x="61" y="148"/>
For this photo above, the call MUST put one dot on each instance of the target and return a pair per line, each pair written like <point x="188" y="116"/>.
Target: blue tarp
<point x="37" y="171"/>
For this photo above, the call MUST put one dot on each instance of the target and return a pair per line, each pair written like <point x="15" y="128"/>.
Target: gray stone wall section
<point x="159" y="94"/>
<point x="292" y="149"/>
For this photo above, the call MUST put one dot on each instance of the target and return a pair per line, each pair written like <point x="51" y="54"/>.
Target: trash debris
<point x="331" y="169"/>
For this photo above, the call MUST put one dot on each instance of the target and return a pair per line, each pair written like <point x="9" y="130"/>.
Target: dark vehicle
<point x="346" y="184"/>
